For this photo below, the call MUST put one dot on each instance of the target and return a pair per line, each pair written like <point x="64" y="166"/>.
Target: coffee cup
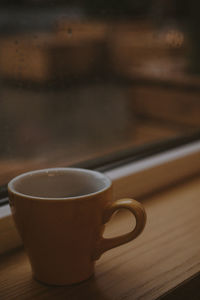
<point x="60" y="214"/>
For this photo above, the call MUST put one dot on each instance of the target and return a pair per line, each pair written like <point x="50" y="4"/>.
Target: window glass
<point x="82" y="79"/>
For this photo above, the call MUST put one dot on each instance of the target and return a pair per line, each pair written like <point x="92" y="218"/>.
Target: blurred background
<point x="84" y="79"/>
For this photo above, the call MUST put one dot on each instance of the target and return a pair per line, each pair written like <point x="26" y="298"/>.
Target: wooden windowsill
<point x="164" y="256"/>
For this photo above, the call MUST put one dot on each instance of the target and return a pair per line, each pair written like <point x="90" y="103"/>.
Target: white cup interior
<point x="59" y="183"/>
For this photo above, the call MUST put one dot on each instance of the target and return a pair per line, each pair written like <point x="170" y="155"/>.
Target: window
<point x="89" y="80"/>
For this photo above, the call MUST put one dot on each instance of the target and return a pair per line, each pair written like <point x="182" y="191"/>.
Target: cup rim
<point x="12" y="189"/>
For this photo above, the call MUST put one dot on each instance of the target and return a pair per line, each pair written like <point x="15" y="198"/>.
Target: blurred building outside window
<point x="83" y="79"/>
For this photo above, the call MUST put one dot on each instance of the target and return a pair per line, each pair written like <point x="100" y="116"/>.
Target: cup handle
<point x="139" y="213"/>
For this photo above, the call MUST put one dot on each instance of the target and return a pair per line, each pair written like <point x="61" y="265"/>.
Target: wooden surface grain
<point x="166" y="254"/>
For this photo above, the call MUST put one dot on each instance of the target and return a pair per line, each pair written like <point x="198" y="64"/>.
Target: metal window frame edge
<point x="135" y="179"/>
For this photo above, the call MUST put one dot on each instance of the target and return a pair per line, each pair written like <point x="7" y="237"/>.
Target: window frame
<point x="132" y="179"/>
<point x="123" y="157"/>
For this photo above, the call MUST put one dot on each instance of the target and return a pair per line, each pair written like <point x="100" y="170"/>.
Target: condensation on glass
<point x="81" y="79"/>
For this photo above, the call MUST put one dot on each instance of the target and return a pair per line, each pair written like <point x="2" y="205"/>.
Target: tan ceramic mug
<point x="60" y="214"/>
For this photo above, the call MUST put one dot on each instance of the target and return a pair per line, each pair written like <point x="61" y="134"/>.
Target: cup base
<point x="62" y="282"/>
